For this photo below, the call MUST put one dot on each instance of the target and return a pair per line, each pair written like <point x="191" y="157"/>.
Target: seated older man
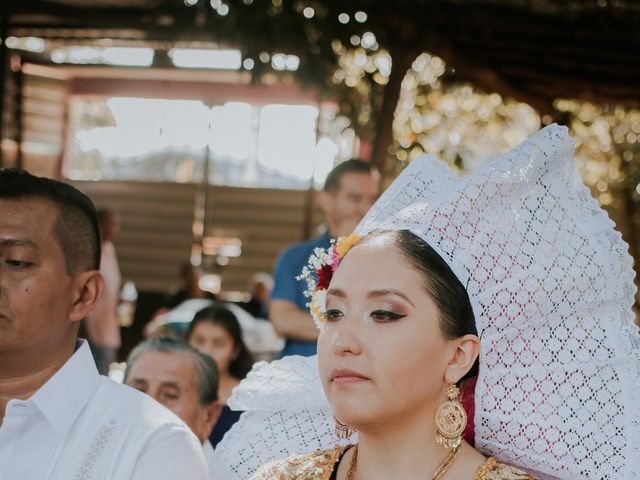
<point x="183" y="380"/>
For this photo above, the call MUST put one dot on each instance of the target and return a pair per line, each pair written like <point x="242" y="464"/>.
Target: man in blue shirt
<point x="350" y="190"/>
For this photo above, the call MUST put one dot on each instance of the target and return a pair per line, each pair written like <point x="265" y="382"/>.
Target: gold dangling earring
<point x="343" y="431"/>
<point x="451" y="420"/>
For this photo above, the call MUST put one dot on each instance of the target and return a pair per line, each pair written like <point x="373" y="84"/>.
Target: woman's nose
<point x="346" y="337"/>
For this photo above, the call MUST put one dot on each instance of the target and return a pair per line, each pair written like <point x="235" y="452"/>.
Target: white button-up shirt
<point x="209" y="457"/>
<point x="83" y="426"/>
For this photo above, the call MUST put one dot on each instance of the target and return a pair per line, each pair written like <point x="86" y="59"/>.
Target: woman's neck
<point x="226" y="383"/>
<point x="407" y="448"/>
<point x="399" y="450"/>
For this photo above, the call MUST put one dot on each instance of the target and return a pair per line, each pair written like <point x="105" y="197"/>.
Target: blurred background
<point x="207" y="125"/>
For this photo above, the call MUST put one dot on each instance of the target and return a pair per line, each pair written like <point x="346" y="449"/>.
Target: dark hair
<point x="442" y="285"/>
<point x="240" y="366"/>
<point x="76" y="227"/>
<point x="332" y="183"/>
<point x="206" y="369"/>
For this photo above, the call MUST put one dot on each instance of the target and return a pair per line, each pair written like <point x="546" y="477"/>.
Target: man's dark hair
<point x="76" y="227"/>
<point x="332" y="183"/>
<point x="205" y="367"/>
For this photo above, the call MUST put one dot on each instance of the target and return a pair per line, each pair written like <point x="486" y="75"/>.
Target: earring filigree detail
<point x="451" y="420"/>
<point x="343" y="431"/>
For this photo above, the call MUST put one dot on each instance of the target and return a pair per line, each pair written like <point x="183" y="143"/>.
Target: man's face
<point x="37" y="294"/>
<point x="170" y="378"/>
<point x="345" y="207"/>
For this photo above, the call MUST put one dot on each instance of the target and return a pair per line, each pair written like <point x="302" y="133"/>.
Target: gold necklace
<point x="436" y="476"/>
<point x="445" y="464"/>
<point x="352" y="464"/>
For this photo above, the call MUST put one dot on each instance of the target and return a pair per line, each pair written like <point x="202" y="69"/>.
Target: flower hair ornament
<point x="551" y="285"/>
<point x="319" y="271"/>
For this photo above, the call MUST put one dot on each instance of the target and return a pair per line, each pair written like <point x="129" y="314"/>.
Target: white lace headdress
<point x="551" y="285"/>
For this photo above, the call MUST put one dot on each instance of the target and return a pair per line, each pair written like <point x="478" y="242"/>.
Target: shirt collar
<point x="67" y="393"/>
<point x="207" y="448"/>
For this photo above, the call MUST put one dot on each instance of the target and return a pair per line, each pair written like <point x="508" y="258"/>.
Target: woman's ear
<point x="87" y="291"/>
<point x="466" y="350"/>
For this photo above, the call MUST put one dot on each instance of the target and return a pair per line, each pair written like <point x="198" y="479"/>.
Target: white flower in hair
<point x="319" y="271"/>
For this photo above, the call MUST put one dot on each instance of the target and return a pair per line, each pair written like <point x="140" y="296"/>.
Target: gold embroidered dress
<point x="320" y="466"/>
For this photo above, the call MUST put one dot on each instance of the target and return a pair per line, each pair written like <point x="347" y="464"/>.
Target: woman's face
<point x="214" y="340"/>
<point x="381" y="353"/>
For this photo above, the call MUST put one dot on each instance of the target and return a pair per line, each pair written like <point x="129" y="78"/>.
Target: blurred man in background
<point x="349" y="191"/>
<point x="101" y="325"/>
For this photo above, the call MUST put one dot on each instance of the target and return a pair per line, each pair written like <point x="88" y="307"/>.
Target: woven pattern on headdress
<point x="286" y="411"/>
<point x="551" y="286"/>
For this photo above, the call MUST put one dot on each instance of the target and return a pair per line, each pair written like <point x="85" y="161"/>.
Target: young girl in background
<point x="215" y="331"/>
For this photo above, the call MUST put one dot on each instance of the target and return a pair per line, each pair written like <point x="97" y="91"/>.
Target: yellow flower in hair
<point x="345" y="243"/>
<point x="317" y="307"/>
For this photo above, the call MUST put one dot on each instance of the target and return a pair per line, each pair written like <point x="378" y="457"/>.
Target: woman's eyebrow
<point x="336" y="292"/>
<point x="389" y="291"/>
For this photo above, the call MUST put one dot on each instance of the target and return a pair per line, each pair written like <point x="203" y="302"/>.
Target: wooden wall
<point x="40" y="121"/>
<point x="266" y="220"/>
<point x="156" y="227"/>
<point x="156" y="218"/>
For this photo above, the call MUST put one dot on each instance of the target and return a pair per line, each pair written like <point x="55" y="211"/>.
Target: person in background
<point x="179" y="302"/>
<point x="260" y="287"/>
<point x="349" y="191"/>
<point x="101" y="325"/>
<point x="60" y="419"/>
<point x="215" y="331"/>
<point x="183" y="380"/>
<point x="190" y="275"/>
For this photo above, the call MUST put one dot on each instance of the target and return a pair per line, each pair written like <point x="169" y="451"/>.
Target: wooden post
<point x="4" y="28"/>
<point x="402" y="60"/>
<point x="18" y="81"/>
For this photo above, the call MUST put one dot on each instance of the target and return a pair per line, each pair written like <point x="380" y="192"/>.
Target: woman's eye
<point x="386" y="315"/>
<point x="332" y="314"/>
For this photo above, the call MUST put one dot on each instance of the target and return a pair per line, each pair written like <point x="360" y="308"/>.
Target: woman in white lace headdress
<point x="515" y="266"/>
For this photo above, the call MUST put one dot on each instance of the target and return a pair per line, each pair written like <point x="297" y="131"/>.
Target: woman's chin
<point x="353" y="413"/>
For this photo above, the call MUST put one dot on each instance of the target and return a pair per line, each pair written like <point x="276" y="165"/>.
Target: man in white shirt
<point x="59" y="419"/>
<point x="183" y="380"/>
